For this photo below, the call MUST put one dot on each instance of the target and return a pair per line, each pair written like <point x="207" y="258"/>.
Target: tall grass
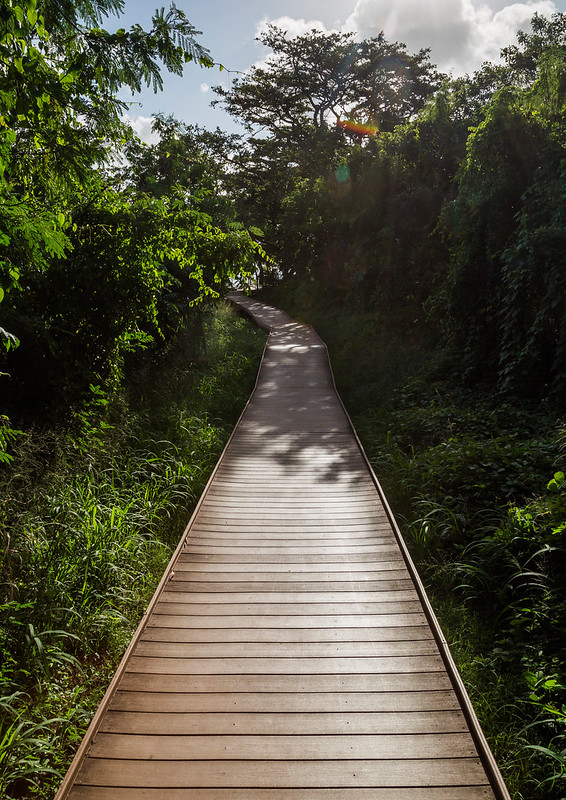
<point x="88" y="520"/>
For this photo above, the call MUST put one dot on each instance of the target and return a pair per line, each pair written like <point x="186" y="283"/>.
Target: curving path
<point x="290" y="650"/>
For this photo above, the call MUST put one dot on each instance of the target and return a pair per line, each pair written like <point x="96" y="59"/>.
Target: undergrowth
<point x="480" y="493"/>
<point x="88" y="520"/>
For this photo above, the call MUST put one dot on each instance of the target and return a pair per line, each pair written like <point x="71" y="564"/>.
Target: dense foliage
<point x="109" y="252"/>
<point x="448" y="212"/>
<point x="97" y="261"/>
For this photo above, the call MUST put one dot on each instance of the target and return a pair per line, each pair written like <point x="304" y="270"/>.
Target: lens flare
<point x="361" y="128"/>
<point x="390" y="26"/>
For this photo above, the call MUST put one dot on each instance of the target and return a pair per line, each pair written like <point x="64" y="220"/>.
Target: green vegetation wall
<point x="440" y="208"/>
<point x="98" y="261"/>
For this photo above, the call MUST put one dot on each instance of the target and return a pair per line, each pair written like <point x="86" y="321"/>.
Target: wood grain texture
<point x="287" y="654"/>
<point x="279" y="636"/>
<point x="379" y="706"/>
<point x="284" y="723"/>
<point x="363" y="684"/>
<point x="251" y="793"/>
<point x="342" y="773"/>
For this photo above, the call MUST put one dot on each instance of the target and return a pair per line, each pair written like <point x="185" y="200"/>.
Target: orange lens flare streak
<point x="363" y="129"/>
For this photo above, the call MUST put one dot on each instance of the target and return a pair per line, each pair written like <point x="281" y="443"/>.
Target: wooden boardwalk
<point x="289" y="651"/>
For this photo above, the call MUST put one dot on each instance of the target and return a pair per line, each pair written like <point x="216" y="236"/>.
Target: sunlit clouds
<point x="444" y="25"/>
<point x="293" y="27"/>
<point x="462" y="34"/>
<point x="494" y="31"/>
<point x="142" y="128"/>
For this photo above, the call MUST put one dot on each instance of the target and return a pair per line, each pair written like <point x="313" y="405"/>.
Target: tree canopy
<point x="387" y="183"/>
<point x="317" y="79"/>
<point x="93" y="263"/>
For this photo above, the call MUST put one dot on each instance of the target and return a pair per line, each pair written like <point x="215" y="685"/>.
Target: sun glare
<point x="361" y="128"/>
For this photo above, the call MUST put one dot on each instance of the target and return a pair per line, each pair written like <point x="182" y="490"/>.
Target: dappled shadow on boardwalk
<point x="294" y="428"/>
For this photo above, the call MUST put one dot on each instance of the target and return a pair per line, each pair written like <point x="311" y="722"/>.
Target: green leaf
<point x="8" y="339"/>
<point x="556" y="483"/>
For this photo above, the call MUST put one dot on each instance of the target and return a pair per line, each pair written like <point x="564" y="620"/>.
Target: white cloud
<point x="461" y="33"/>
<point x="142" y="128"/>
<point x="204" y="87"/>
<point x="499" y="29"/>
<point x="294" y="27"/>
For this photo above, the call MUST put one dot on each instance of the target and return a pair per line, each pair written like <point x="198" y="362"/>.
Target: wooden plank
<point x="402" y="725"/>
<point x="345" y="773"/>
<point x="295" y="514"/>
<point x="186" y="564"/>
<point x="178" y="584"/>
<point x="390" y="571"/>
<point x="315" y="599"/>
<point x="269" y="549"/>
<point x="334" y="533"/>
<point x="257" y="557"/>
<point x="272" y="748"/>
<point x="296" y="527"/>
<point x="342" y="509"/>
<point x="342" y="529"/>
<point x="305" y="684"/>
<point x="252" y="446"/>
<point x="310" y="610"/>
<point x="164" y="618"/>
<point x="384" y="709"/>
<point x="153" y="633"/>
<point x="217" y="537"/>
<point x="295" y="517"/>
<point x="232" y="793"/>
<point x="282" y="666"/>
<point x="220" y="502"/>
<point x="215" y="540"/>
<point x="312" y="461"/>
<point x="261" y="492"/>
<point x="176" y="649"/>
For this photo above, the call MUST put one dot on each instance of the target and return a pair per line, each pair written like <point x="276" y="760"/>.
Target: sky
<point x="462" y="34"/>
